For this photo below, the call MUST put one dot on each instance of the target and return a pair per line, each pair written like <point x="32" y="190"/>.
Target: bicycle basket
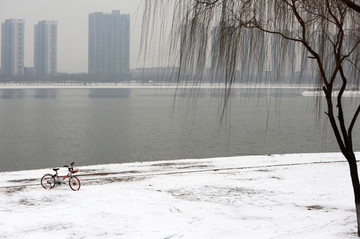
<point x="75" y="170"/>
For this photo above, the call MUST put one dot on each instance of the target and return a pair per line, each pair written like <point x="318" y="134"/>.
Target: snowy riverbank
<point x="275" y="196"/>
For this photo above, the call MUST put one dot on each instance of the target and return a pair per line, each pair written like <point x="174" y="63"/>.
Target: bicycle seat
<point x="55" y="169"/>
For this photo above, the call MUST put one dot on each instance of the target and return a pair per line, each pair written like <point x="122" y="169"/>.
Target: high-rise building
<point x="12" y="47"/>
<point x="109" y="43"/>
<point x="192" y="52"/>
<point x="45" y="48"/>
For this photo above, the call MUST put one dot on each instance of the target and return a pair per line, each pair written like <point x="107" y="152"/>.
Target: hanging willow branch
<point x="257" y="41"/>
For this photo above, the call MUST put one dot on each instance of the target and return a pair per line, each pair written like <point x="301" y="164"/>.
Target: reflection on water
<point x="253" y="94"/>
<point x="109" y="93"/>
<point x="222" y="92"/>
<point x="45" y="93"/>
<point x="12" y="93"/>
<point x="23" y="93"/>
<point x="285" y="94"/>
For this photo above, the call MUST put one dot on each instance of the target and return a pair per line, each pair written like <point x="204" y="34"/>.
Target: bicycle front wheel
<point x="47" y="181"/>
<point x="74" y="183"/>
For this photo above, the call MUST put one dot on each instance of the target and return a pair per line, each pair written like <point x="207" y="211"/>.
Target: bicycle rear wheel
<point x="47" y="181"/>
<point x="74" y="183"/>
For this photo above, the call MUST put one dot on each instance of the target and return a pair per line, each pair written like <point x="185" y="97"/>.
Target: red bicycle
<point x="48" y="181"/>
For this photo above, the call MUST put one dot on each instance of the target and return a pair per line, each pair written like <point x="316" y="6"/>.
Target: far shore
<point x="127" y="85"/>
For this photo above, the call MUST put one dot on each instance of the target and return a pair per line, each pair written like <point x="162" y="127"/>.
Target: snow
<point x="347" y="93"/>
<point x="271" y="196"/>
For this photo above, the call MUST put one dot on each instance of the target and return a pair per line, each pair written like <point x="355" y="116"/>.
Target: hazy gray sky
<point x="72" y="17"/>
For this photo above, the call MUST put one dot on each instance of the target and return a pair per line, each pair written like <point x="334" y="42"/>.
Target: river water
<point x="52" y="127"/>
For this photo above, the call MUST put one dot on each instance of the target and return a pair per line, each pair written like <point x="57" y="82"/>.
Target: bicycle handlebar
<point x="71" y="167"/>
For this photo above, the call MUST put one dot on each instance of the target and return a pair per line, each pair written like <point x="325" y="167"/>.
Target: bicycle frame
<point x="58" y="180"/>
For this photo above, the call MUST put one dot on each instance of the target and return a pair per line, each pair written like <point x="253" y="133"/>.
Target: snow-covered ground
<point x="273" y="196"/>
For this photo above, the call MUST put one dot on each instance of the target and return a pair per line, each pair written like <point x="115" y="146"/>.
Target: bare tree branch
<point x="315" y="54"/>
<point x="208" y="2"/>
<point x="351" y="127"/>
<point x="250" y="38"/>
<point x="340" y="109"/>
<point x="351" y="5"/>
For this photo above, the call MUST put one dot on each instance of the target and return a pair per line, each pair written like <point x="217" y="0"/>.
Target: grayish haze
<point x="72" y="17"/>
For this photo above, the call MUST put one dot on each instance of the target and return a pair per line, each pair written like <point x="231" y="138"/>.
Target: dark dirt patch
<point x="315" y="207"/>
<point x="26" y="202"/>
<point x="165" y="164"/>
<point x="119" y="179"/>
<point x="108" y="173"/>
<point x="88" y="170"/>
<point x="14" y="189"/>
<point x="241" y="190"/>
<point x="193" y="166"/>
<point x="173" y="164"/>
<point x="180" y="165"/>
<point x="114" y="180"/>
<point x="23" y="180"/>
<point x="263" y="170"/>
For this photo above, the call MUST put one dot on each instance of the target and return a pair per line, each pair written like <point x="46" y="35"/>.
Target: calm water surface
<point x="51" y="127"/>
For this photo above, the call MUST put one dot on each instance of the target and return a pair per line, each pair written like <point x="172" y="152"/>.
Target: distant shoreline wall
<point x="72" y="85"/>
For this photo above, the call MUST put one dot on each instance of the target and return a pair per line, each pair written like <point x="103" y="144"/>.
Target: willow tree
<point x="247" y="37"/>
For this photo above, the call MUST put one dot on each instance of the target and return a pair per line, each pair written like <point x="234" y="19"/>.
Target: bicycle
<point x="48" y="181"/>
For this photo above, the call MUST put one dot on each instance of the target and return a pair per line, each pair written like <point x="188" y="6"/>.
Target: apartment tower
<point x="109" y="43"/>
<point x="12" y="47"/>
<point x="45" y="48"/>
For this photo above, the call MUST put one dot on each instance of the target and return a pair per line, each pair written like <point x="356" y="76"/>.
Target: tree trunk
<point x="345" y="145"/>
<point x="356" y="186"/>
